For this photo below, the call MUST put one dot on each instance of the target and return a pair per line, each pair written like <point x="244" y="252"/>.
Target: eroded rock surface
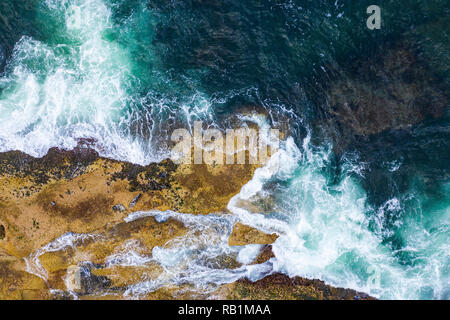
<point x="243" y="235"/>
<point x="78" y="191"/>
<point x="63" y="234"/>
<point x="281" y="287"/>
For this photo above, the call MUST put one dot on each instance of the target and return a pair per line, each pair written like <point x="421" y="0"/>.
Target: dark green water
<point x="126" y="72"/>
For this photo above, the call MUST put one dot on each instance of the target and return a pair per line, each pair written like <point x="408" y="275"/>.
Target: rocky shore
<point x="80" y="193"/>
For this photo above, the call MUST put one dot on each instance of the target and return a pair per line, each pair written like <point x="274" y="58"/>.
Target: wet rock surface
<point x="243" y="235"/>
<point x="281" y="287"/>
<point x="75" y="198"/>
<point x="264" y="255"/>
<point x="2" y="232"/>
<point x="16" y="283"/>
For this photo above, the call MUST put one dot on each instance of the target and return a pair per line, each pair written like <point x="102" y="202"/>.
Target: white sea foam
<point x="324" y="233"/>
<point x="249" y="253"/>
<point x="53" y="95"/>
<point x="128" y="255"/>
<point x="195" y="258"/>
<point x="52" y="99"/>
<point x="325" y="228"/>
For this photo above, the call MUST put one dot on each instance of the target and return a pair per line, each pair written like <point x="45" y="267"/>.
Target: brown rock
<point x="17" y="284"/>
<point x="281" y="287"/>
<point x="264" y="255"/>
<point x="121" y="277"/>
<point x="55" y="261"/>
<point x="77" y="191"/>
<point x="243" y="235"/>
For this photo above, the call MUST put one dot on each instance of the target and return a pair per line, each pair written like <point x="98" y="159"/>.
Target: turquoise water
<point x="123" y="74"/>
<point x="331" y="229"/>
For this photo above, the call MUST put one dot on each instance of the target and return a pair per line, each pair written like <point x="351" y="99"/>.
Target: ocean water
<point x="122" y="74"/>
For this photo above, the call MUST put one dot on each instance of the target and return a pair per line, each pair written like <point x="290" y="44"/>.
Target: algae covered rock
<point x="16" y="283"/>
<point x="64" y="214"/>
<point x="243" y="235"/>
<point x="281" y="287"/>
<point x="78" y="191"/>
<point x="264" y="255"/>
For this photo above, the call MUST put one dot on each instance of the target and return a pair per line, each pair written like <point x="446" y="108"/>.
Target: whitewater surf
<point x="358" y="192"/>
